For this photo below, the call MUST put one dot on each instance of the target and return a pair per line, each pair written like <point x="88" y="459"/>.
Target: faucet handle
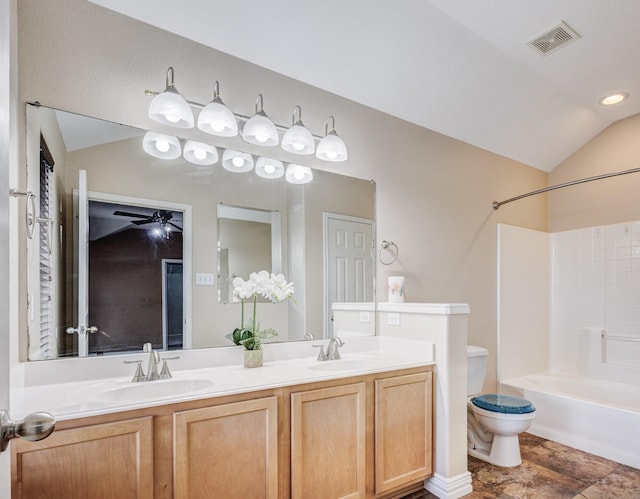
<point x="321" y="354"/>
<point x="165" y="373"/>
<point x="139" y="374"/>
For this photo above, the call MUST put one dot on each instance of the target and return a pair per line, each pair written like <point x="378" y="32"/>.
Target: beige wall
<point x="524" y="282"/>
<point x="434" y="193"/>
<point x="608" y="201"/>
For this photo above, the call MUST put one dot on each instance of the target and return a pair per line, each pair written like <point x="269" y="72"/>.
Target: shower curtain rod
<point x="498" y="204"/>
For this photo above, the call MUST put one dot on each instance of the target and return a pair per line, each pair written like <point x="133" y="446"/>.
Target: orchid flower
<point x="270" y="286"/>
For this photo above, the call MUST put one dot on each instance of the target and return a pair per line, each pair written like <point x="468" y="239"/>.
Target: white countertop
<point x="53" y="386"/>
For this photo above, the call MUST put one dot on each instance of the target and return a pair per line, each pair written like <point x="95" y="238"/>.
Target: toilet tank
<point x="476" y="368"/>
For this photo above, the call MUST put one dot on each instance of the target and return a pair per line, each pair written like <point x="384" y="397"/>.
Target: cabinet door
<point x="328" y="442"/>
<point x="403" y="430"/>
<point x="106" y="460"/>
<point x="228" y="451"/>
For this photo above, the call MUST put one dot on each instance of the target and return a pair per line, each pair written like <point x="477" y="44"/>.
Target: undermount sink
<point x="343" y="365"/>
<point x="153" y="389"/>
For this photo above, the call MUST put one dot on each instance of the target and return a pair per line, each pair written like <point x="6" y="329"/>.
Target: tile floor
<point x="550" y="470"/>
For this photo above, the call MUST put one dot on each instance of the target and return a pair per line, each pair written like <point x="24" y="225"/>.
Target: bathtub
<point x="598" y="417"/>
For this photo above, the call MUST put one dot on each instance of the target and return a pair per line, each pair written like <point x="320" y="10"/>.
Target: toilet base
<point x="499" y="448"/>
<point x="505" y="451"/>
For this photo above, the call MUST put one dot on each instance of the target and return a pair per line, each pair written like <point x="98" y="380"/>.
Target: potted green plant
<point x="270" y="286"/>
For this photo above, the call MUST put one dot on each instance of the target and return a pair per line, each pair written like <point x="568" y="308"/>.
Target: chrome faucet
<point x="152" y="370"/>
<point x="332" y="348"/>
<point x="154" y="359"/>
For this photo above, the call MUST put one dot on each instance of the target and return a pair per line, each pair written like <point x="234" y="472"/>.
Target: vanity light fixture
<point x="612" y="99"/>
<point x="269" y="168"/>
<point x="216" y="118"/>
<point x="259" y="129"/>
<point x="298" y="139"/>
<point x="236" y="161"/>
<point x="170" y="108"/>
<point x="200" y="153"/>
<point x="331" y="147"/>
<point x="298" y="174"/>
<point x="161" y="146"/>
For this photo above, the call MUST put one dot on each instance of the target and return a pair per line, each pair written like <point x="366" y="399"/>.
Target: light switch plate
<point x="204" y="279"/>
<point x="393" y="319"/>
<point x="365" y="317"/>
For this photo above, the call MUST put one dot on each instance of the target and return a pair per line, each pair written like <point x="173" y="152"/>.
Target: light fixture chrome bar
<point x="498" y="204"/>
<point x="241" y="117"/>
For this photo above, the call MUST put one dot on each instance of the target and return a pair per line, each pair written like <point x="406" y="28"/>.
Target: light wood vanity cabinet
<point x="328" y="445"/>
<point x="228" y="450"/>
<point x="360" y="437"/>
<point x="103" y="460"/>
<point x="403" y="430"/>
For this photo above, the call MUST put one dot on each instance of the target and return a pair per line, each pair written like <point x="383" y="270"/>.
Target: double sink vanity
<point x="360" y="426"/>
<point x="373" y="424"/>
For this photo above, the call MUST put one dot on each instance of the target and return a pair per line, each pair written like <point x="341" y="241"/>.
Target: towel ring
<point x="386" y="245"/>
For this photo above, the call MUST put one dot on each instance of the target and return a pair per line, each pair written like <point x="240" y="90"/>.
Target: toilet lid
<point x="504" y="404"/>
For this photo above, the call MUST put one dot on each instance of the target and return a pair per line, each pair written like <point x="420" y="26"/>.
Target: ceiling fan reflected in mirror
<point x="162" y="219"/>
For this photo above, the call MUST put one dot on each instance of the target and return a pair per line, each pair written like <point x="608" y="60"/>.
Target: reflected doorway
<point x="172" y="304"/>
<point x="127" y="248"/>
<point x="348" y="263"/>
<point x="126" y="242"/>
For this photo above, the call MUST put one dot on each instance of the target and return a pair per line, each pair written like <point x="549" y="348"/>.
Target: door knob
<point x="82" y="330"/>
<point x="34" y="427"/>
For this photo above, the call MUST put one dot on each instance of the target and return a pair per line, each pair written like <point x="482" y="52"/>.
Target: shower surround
<point x="569" y="304"/>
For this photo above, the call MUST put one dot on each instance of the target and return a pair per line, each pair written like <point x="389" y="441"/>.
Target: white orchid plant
<point x="270" y="286"/>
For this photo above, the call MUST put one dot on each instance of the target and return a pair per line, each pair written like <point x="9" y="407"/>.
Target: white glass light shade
<point x="217" y="119"/>
<point x="269" y="168"/>
<point x="298" y="140"/>
<point x="331" y="148"/>
<point x="200" y="153"/>
<point x="298" y="174"/>
<point x="169" y="108"/>
<point x="161" y="146"/>
<point x="236" y="161"/>
<point x="260" y="130"/>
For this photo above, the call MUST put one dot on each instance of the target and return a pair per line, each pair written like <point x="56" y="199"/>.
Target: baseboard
<point x="449" y="488"/>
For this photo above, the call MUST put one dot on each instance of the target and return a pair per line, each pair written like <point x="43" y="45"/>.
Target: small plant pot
<point x="253" y="358"/>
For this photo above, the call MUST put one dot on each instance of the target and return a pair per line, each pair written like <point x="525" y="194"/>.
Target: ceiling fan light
<point x="298" y="174"/>
<point x="216" y="118"/>
<point x="200" y="153"/>
<point x="161" y="146"/>
<point x="259" y="129"/>
<point x="269" y="168"/>
<point x="236" y="161"/>
<point x="170" y="108"/>
<point x="298" y="139"/>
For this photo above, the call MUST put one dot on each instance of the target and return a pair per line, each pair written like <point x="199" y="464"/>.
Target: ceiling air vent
<point x="553" y="39"/>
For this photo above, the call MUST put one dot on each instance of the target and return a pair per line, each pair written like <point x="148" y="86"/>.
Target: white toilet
<point x="493" y="421"/>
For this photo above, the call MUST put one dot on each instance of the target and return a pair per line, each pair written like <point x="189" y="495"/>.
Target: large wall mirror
<point x="126" y="248"/>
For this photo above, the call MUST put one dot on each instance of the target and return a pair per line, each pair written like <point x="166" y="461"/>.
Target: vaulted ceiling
<point x="460" y="67"/>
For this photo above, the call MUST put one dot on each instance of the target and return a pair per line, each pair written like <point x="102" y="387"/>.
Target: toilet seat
<point x="503" y="404"/>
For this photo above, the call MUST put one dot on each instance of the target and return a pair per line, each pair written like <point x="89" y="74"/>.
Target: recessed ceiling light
<point x="612" y="99"/>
